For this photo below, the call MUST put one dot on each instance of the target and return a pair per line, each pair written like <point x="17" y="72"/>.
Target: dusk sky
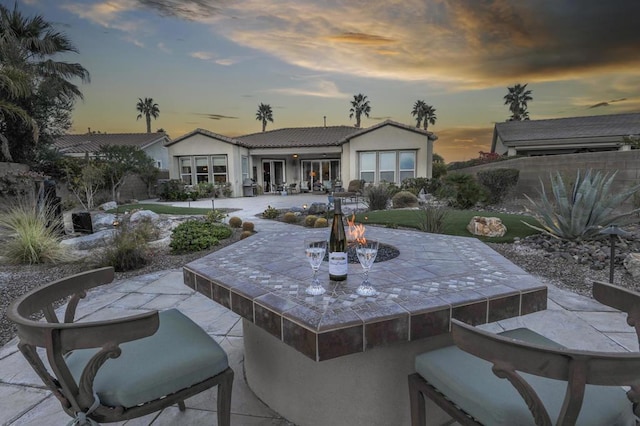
<point x="210" y="63"/>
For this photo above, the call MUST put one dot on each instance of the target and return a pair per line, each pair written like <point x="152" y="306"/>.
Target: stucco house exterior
<point x="304" y="158"/>
<point x="565" y="135"/>
<point x="153" y="144"/>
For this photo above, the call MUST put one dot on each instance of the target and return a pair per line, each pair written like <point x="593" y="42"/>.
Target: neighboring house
<point x="153" y="144"/>
<point x="565" y="135"/>
<point x="312" y="158"/>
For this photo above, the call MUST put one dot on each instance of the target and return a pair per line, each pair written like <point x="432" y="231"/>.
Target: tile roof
<point x="206" y="133"/>
<point x="616" y="125"/>
<point x="79" y="144"/>
<point x="298" y="137"/>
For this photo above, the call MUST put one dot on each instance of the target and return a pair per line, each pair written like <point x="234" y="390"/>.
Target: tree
<point x="359" y="105"/>
<point x="429" y="116"/>
<point x="418" y="112"/>
<point x="35" y="90"/>
<point x="517" y="98"/>
<point x="121" y="161"/>
<point x="264" y="114"/>
<point x="84" y="179"/>
<point x="147" y="109"/>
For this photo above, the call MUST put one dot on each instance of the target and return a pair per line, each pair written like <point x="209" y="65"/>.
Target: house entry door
<point x="273" y="175"/>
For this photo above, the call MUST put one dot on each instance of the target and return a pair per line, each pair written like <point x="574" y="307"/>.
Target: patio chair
<point x="119" y="369"/>
<point x="545" y="382"/>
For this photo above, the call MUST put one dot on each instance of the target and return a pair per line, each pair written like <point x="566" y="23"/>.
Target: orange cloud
<point x="361" y="38"/>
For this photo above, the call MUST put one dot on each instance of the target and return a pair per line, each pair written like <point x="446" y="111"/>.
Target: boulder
<point x="91" y="241"/>
<point x="487" y="226"/>
<point x="109" y="205"/>
<point x="632" y="264"/>
<point x="143" y="214"/>
<point x="317" y="208"/>
<point x="102" y="221"/>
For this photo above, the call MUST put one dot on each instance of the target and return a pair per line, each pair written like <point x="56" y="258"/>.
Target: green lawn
<point x="163" y="209"/>
<point x="456" y="222"/>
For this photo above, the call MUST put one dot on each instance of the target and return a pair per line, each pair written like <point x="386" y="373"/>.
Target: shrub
<point x="245" y="234"/>
<point x="215" y="216"/>
<point x="248" y="226"/>
<point x="497" y="183"/>
<point x="145" y="229"/>
<point x="415" y="185"/>
<point x="172" y="190"/>
<point x="235" y="222"/>
<point x="290" y="217"/>
<point x="205" y="190"/>
<point x="584" y="210"/>
<point x="310" y="220"/>
<point x="404" y="199"/>
<point x="431" y="219"/>
<point x="378" y="196"/>
<point x="270" y="213"/>
<point x="32" y="235"/>
<point x="460" y="190"/>
<point x="321" y="223"/>
<point x="128" y="250"/>
<point x="196" y="235"/>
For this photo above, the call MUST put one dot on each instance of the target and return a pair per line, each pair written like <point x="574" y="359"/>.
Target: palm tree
<point x="27" y="72"/>
<point x="517" y="99"/>
<point x="429" y="115"/>
<point x="147" y="109"/>
<point x="264" y="114"/>
<point x="359" y="105"/>
<point x="418" y="112"/>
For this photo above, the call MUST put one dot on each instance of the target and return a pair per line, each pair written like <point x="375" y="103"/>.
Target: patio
<point x="572" y="320"/>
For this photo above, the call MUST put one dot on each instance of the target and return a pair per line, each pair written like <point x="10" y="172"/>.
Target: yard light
<point x="613" y="231"/>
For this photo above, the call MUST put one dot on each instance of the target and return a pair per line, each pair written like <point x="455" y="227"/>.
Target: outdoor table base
<point x="341" y="358"/>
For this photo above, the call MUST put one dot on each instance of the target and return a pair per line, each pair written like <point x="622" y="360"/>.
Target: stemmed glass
<point x="367" y="251"/>
<point x="315" y="250"/>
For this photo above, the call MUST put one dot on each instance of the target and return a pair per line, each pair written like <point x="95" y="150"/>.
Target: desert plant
<point x="248" y="226"/>
<point x="245" y="234"/>
<point x="310" y="220"/>
<point x="583" y="210"/>
<point x="128" y="250"/>
<point x="321" y="223"/>
<point x="460" y="190"/>
<point x="498" y="183"/>
<point x="270" y="213"/>
<point x="377" y="196"/>
<point x="235" y="222"/>
<point x="431" y="218"/>
<point x="404" y="199"/>
<point x="196" y="235"/>
<point x="145" y="229"/>
<point x="290" y="217"/>
<point x="415" y="185"/>
<point x="31" y="234"/>
<point x="215" y="216"/>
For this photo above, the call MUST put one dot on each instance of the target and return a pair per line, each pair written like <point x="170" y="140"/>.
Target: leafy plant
<point x="31" y="234"/>
<point x="498" y="183"/>
<point x="215" y="216"/>
<point x="378" y="196"/>
<point x="196" y="235"/>
<point x="270" y="213"/>
<point x="127" y="252"/>
<point x="581" y="211"/>
<point x="404" y="199"/>
<point x="431" y="219"/>
<point x="460" y="190"/>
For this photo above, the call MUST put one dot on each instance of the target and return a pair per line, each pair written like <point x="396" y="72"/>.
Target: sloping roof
<point x="206" y="133"/>
<point x="80" y="144"/>
<point x="432" y="136"/>
<point x="298" y="137"/>
<point x="618" y="125"/>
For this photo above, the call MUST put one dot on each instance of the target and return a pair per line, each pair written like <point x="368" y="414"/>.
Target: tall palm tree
<point x="359" y="105"/>
<point x="27" y="70"/>
<point x="517" y="98"/>
<point x="264" y="114"/>
<point x="428" y="115"/>
<point x="418" y="112"/>
<point x="147" y="109"/>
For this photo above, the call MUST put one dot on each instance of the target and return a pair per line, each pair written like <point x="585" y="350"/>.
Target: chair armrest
<point x="619" y="298"/>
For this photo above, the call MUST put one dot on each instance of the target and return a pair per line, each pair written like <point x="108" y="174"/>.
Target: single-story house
<point x="305" y="158"/>
<point x="153" y="144"/>
<point x="565" y="135"/>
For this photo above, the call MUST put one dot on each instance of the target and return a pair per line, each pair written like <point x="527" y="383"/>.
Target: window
<point x="387" y="166"/>
<point x="185" y="170"/>
<point x="245" y="168"/>
<point x="202" y="169"/>
<point x="407" y="165"/>
<point x="219" y="168"/>
<point x="368" y="166"/>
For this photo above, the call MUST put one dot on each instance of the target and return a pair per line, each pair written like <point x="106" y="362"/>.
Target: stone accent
<point x="487" y="226"/>
<point x="632" y="264"/>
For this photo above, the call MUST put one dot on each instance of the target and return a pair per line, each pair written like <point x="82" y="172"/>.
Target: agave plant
<point x="582" y="211"/>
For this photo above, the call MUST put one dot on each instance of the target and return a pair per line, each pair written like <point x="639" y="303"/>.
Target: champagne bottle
<point x="337" y="245"/>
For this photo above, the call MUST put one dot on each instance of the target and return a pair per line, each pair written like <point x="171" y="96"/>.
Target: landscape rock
<point x="102" y="221"/>
<point x="91" y="241"/>
<point x="109" y="205"/>
<point x="487" y="226"/>
<point x="144" y="214"/>
<point x="317" y="208"/>
<point x="632" y="264"/>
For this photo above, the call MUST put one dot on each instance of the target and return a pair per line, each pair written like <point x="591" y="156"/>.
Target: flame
<point x="356" y="231"/>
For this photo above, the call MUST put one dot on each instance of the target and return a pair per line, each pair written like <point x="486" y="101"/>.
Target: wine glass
<point x="315" y="249"/>
<point x="367" y="251"/>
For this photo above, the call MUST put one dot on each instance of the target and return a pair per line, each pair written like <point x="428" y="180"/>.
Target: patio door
<point x="273" y="175"/>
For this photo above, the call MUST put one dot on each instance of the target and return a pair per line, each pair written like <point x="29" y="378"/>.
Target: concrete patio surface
<point x="573" y="320"/>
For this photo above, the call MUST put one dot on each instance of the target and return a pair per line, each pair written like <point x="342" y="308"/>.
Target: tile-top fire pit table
<point x="340" y="358"/>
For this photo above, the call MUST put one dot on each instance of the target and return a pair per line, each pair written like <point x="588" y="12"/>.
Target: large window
<point x="185" y="170"/>
<point x="219" y="168"/>
<point x="387" y="166"/>
<point x="245" y="168"/>
<point x="202" y="169"/>
<point x="207" y="169"/>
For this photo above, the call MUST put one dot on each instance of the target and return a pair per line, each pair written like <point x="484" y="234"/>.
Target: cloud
<point x="320" y="89"/>
<point x="360" y="38"/>
<point x="605" y="104"/>
<point x="216" y="116"/>
<point x="192" y="10"/>
<point x="164" y="48"/>
<point x="463" y="143"/>
<point x="205" y="56"/>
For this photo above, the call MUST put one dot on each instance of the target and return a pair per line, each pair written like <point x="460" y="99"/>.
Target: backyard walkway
<point x="570" y="319"/>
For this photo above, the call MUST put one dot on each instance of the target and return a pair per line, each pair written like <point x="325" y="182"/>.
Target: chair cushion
<point x="180" y="354"/>
<point x="469" y="382"/>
